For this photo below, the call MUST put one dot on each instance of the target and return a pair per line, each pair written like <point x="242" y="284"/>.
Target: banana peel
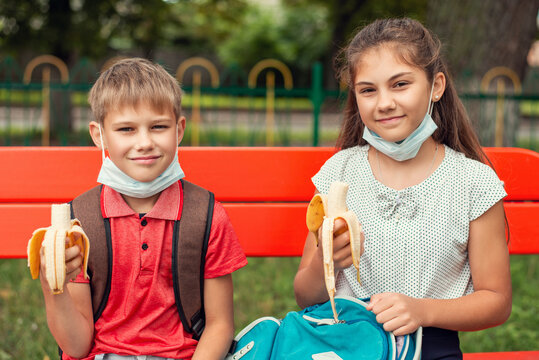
<point x="54" y="243"/>
<point x="322" y="212"/>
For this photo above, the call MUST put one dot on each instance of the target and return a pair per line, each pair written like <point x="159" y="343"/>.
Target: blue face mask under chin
<point x="408" y="148"/>
<point x="112" y="176"/>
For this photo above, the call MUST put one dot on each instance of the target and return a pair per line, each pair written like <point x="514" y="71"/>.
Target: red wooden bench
<point x="265" y="192"/>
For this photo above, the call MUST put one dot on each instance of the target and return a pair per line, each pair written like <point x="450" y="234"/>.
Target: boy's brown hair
<point x="132" y="81"/>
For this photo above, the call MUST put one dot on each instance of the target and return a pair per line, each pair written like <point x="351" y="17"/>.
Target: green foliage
<point x="295" y="35"/>
<point x="70" y="29"/>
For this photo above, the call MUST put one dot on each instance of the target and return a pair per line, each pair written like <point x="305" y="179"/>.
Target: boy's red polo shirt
<point x="141" y="317"/>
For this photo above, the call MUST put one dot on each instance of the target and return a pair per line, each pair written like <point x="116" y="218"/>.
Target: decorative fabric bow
<point x="402" y="203"/>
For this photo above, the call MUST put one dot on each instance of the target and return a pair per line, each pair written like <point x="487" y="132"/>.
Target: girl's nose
<point x="386" y="102"/>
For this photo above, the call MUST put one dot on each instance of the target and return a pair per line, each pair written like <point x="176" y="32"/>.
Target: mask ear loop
<point x="102" y="144"/>
<point x="431" y="103"/>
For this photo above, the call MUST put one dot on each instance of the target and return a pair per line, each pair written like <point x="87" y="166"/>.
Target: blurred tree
<point x="479" y="35"/>
<point x="482" y="34"/>
<point x="292" y="35"/>
<point x="71" y="29"/>
<point x="345" y="17"/>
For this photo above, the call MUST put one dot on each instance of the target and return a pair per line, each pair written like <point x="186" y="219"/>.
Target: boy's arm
<point x="69" y="314"/>
<point x="218" y="305"/>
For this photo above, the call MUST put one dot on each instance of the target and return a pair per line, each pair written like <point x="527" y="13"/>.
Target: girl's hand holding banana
<point x="325" y="215"/>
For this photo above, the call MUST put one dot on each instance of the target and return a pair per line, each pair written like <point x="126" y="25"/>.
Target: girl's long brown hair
<point x="416" y="46"/>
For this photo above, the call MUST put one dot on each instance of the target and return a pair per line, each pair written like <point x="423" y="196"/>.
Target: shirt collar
<point x="166" y="207"/>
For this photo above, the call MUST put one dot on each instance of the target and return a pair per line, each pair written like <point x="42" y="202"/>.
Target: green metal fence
<point x="45" y="104"/>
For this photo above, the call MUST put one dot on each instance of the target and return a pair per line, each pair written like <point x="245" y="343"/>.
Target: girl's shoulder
<point x="345" y="154"/>
<point x="345" y="158"/>
<point x="476" y="176"/>
<point x="350" y="159"/>
<point x="465" y="166"/>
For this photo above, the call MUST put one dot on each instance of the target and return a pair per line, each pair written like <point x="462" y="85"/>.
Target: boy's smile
<point x="142" y="141"/>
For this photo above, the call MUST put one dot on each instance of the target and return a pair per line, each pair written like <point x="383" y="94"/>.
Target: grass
<point x="263" y="288"/>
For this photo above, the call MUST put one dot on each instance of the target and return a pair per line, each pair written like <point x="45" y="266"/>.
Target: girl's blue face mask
<point x="112" y="176"/>
<point x="408" y="148"/>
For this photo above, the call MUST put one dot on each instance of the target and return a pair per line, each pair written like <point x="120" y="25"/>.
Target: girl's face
<point x="392" y="96"/>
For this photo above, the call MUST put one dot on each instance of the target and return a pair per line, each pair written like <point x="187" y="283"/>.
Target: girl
<point x="432" y="216"/>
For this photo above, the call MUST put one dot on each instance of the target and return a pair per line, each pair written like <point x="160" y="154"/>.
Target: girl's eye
<point x="125" y="129"/>
<point x="401" y="84"/>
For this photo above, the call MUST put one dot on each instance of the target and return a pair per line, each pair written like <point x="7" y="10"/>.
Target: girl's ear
<point x="95" y="134"/>
<point x="439" y="86"/>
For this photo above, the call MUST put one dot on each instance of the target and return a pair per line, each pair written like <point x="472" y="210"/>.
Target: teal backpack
<point x="312" y="334"/>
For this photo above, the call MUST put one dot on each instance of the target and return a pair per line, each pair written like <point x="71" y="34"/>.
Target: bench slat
<point x="58" y="174"/>
<point x="264" y="229"/>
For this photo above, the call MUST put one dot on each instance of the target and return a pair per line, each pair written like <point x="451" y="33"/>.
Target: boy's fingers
<point x="72" y="252"/>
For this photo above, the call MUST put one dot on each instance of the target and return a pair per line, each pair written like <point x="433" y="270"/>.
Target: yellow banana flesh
<point x="53" y="241"/>
<point x="316" y="211"/>
<point x="322" y="212"/>
<point x="329" y="270"/>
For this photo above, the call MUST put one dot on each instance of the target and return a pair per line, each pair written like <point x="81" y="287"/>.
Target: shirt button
<point x="144" y="246"/>
<point x="144" y="222"/>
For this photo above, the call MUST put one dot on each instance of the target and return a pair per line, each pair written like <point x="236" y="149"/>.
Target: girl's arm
<point x="219" y="331"/>
<point x="490" y="303"/>
<point x="69" y="314"/>
<point x="309" y="284"/>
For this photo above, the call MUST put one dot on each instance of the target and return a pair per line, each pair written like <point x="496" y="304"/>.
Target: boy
<point x="137" y="107"/>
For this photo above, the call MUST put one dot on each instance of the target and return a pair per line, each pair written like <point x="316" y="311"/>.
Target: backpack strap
<point x="189" y="248"/>
<point x="87" y="208"/>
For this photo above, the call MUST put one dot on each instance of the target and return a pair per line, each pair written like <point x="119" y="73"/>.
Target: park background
<point x="255" y="73"/>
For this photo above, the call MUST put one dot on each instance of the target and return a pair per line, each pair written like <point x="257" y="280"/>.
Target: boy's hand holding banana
<point x="63" y="234"/>
<point x="322" y="212"/>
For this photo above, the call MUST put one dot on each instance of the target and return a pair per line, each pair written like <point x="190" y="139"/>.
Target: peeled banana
<point x="322" y="212"/>
<point x="53" y="240"/>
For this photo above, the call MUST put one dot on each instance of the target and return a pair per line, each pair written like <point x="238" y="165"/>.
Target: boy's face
<point x="141" y="141"/>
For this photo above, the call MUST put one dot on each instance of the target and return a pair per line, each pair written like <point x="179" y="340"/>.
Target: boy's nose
<point x="144" y="140"/>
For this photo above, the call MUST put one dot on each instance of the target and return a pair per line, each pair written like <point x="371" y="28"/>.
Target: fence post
<point x="270" y="90"/>
<point x="500" y="71"/>
<point x="45" y="106"/>
<point x="317" y="98"/>
<point x="196" y="118"/>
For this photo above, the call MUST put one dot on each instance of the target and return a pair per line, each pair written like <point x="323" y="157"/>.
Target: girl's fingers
<point x="339" y="227"/>
<point x="379" y="303"/>
<point x="390" y="324"/>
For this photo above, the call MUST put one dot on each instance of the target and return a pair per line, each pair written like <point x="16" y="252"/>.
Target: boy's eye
<point x="366" y="90"/>
<point x="125" y="129"/>
<point x="160" y="127"/>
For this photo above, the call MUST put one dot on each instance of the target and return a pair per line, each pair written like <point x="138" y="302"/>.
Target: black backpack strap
<point x="87" y="209"/>
<point x="189" y="247"/>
